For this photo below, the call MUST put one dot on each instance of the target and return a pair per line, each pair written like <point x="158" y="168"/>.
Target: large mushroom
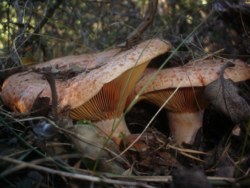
<point x="98" y="93"/>
<point x="185" y="85"/>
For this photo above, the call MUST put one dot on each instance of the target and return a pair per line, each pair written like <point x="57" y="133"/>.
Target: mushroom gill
<point x="109" y="102"/>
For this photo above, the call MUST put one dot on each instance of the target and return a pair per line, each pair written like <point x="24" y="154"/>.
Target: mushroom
<point x="98" y="93"/>
<point x="185" y="85"/>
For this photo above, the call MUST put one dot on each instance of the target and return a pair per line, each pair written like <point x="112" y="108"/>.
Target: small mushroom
<point x="186" y="106"/>
<point x="98" y="93"/>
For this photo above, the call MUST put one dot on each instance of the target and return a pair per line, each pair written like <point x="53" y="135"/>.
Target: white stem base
<point x="184" y="126"/>
<point x="115" y="128"/>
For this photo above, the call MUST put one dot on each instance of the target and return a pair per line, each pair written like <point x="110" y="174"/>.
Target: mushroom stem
<point x="184" y="126"/>
<point x="116" y="128"/>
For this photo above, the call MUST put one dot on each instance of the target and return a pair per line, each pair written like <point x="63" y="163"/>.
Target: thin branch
<point x="73" y="175"/>
<point x="22" y="43"/>
<point x="54" y="102"/>
<point x="147" y="21"/>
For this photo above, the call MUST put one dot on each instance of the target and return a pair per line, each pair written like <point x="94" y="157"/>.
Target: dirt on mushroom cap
<point x="20" y="90"/>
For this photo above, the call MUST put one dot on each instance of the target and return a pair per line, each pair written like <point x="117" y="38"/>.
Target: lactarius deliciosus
<point x="185" y="85"/>
<point x="98" y="92"/>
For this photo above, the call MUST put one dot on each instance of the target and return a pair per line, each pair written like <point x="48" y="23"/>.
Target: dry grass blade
<point x="187" y="150"/>
<point x="210" y="55"/>
<point x="192" y="157"/>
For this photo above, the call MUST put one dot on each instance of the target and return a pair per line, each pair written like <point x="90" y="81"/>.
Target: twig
<point x="39" y="161"/>
<point x="217" y="181"/>
<point x="54" y="102"/>
<point x="147" y="21"/>
<point x="24" y="42"/>
<point x="74" y="176"/>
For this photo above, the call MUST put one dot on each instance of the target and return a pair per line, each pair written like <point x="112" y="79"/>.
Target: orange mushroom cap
<point x="20" y="90"/>
<point x="198" y="73"/>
